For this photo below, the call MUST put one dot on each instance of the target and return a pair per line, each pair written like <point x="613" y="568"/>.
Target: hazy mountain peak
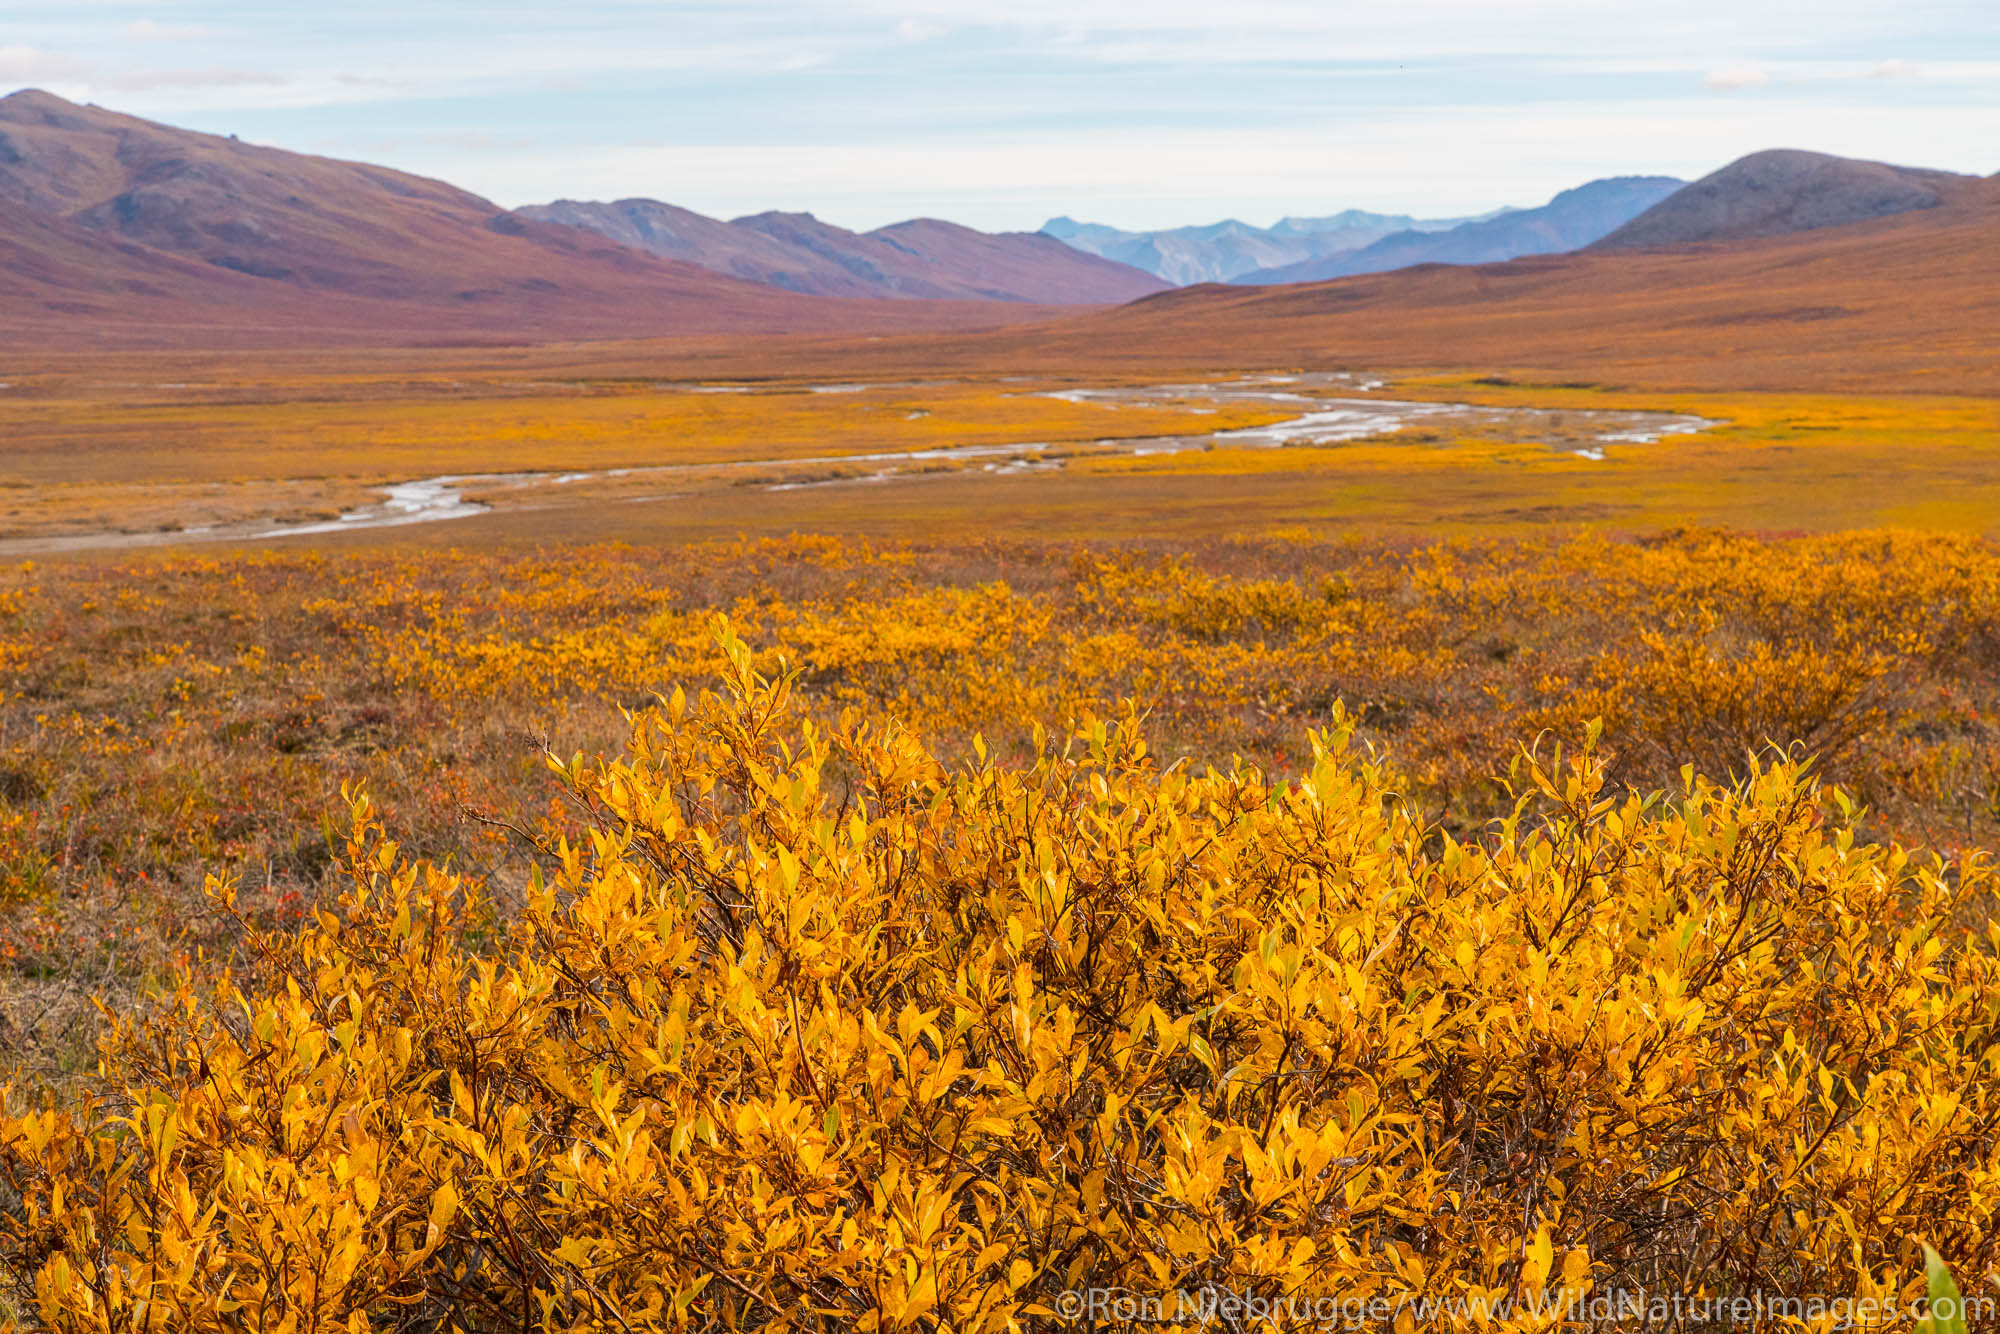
<point x="1571" y="220"/>
<point x="1226" y="250"/>
<point x="1351" y="219"/>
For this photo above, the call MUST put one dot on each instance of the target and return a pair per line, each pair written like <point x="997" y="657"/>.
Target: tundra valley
<point x="599" y="767"/>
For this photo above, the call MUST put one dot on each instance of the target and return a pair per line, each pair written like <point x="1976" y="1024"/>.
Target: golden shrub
<point x="815" y="1032"/>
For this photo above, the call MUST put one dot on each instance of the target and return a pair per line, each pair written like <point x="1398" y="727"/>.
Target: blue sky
<point x="1000" y="114"/>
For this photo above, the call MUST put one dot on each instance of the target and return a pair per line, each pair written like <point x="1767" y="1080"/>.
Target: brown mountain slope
<point x="1900" y="303"/>
<point x="1779" y="191"/>
<point x="672" y="232"/>
<point x="834" y="252"/>
<point x="920" y="259"/>
<point x="118" y="228"/>
<point x="1025" y="266"/>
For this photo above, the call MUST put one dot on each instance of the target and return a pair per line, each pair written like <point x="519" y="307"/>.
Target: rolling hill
<point x="1571" y="220"/>
<point x="1780" y="191"/>
<point x="115" y="231"/>
<point x="1903" y="302"/>
<point x="1896" y="304"/>
<point x="924" y="258"/>
<point x="117" y="228"/>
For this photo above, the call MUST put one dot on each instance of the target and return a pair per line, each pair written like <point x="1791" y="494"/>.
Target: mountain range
<point x="116" y="230"/>
<point x="922" y="258"/>
<point x="1570" y="221"/>
<point x="117" y="227"/>
<point x="1760" y="288"/>
<point x="1225" y="251"/>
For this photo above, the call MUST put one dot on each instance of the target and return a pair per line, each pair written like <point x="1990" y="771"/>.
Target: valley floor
<point x="126" y="457"/>
<point x="242" y="606"/>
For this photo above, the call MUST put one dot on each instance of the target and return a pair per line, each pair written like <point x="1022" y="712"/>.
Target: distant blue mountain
<point x="1222" y="251"/>
<point x="1570" y="221"/>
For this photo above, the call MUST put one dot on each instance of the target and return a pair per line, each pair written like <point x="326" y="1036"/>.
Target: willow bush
<point x="814" y="1032"/>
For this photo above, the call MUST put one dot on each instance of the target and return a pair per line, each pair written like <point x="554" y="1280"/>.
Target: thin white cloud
<point x="577" y="47"/>
<point x="1736" y="78"/>
<point x="67" y="74"/>
<point x="398" y="77"/>
<point x="21" y="64"/>
<point x="151" y="30"/>
<point x="1795" y="73"/>
<point x="477" y="141"/>
<point x="149" y="80"/>
<point x="1198" y="31"/>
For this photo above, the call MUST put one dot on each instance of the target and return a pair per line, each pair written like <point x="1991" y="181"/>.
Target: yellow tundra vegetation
<point x="164" y="718"/>
<point x="810" y="1029"/>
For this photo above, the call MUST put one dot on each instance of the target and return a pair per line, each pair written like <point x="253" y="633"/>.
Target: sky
<point x="1004" y="113"/>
